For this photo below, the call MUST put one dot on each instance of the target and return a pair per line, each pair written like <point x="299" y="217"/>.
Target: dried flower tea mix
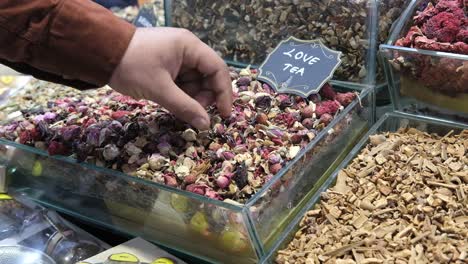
<point x="441" y="25"/>
<point x="243" y="30"/>
<point x="230" y="161"/>
<point x="403" y="199"/>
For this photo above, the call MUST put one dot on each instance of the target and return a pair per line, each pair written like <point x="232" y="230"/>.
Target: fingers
<point x="180" y="104"/>
<point x="212" y="67"/>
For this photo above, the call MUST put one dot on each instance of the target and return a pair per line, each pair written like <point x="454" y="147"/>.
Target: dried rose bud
<point x="296" y="139"/>
<point x="164" y="148"/>
<point x="275" y="168"/>
<point x="210" y="193"/>
<point x="263" y="102"/>
<point x="110" y="152"/>
<point x="244" y="81"/>
<point x="326" y="119"/>
<point x="219" y="129"/>
<point x="227" y="155"/>
<point x="170" y="180"/>
<point x="261" y="118"/>
<point x="56" y="148"/>
<point x="189" y="135"/>
<point x="71" y="132"/>
<point x="82" y="109"/>
<point x="308" y="123"/>
<point x="327" y="92"/>
<point x="307" y="112"/>
<point x="274" y="158"/>
<point x="328" y="107"/>
<point x="196" y="188"/>
<point x="223" y="182"/>
<point x="191" y="178"/>
<point x="345" y="98"/>
<point x="49" y="116"/>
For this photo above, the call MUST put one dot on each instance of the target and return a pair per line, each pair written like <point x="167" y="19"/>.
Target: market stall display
<point x="426" y="57"/>
<point x="399" y="197"/>
<point x="221" y="185"/>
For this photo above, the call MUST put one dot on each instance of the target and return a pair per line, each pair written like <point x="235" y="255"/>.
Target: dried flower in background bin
<point x="243" y="30"/>
<point x="401" y="200"/>
<point x="230" y="161"/>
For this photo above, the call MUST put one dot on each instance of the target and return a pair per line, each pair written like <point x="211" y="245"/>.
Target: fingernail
<point x="201" y="123"/>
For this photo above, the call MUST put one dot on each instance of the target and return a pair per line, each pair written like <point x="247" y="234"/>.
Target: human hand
<point x="175" y="69"/>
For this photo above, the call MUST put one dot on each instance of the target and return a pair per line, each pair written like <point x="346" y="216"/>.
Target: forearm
<point x="70" y="39"/>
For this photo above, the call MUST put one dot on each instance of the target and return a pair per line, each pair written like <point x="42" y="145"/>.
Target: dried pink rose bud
<point x="223" y="182"/>
<point x="308" y="123"/>
<point x="56" y="148"/>
<point x="329" y="107"/>
<point x="274" y="158"/>
<point x="191" y="178"/>
<point x="307" y="112"/>
<point x="326" y="119"/>
<point x="49" y="116"/>
<point x="345" y="98"/>
<point x="170" y="180"/>
<point x="275" y="168"/>
<point x="296" y="138"/>
<point x="196" y="188"/>
<point x="227" y="155"/>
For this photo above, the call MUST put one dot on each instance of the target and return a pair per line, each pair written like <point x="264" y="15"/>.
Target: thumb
<point x="184" y="107"/>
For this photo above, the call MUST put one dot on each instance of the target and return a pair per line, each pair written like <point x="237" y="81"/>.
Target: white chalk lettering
<point x="289" y="53"/>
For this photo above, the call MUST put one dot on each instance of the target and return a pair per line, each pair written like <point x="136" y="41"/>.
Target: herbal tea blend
<point x="231" y="161"/>
<point x="401" y="200"/>
<point x="243" y="30"/>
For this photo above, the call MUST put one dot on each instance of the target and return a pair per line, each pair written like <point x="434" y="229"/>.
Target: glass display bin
<point x="424" y="81"/>
<point x="243" y="32"/>
<point x="208" y="229"/>
<point x="390" y="122"/>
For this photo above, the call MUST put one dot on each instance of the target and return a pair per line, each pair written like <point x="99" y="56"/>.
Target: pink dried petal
<point x="120" y="114"/>
<point x="275" y="168"/>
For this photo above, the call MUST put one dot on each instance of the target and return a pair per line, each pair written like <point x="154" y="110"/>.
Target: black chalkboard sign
<point x="299" y="67"/>
<point x="146" y="17"/>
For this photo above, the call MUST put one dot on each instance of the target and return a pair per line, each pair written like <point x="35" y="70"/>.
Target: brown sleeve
<point x="61" y="40"/>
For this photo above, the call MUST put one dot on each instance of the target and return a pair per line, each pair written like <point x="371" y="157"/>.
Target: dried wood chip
<point x="402" y="200"/>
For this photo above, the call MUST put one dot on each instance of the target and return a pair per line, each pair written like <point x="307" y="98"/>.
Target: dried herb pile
<point x="243" y="30"/>
<point x="231" y="161"/>
<point x="403" y="199"/>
